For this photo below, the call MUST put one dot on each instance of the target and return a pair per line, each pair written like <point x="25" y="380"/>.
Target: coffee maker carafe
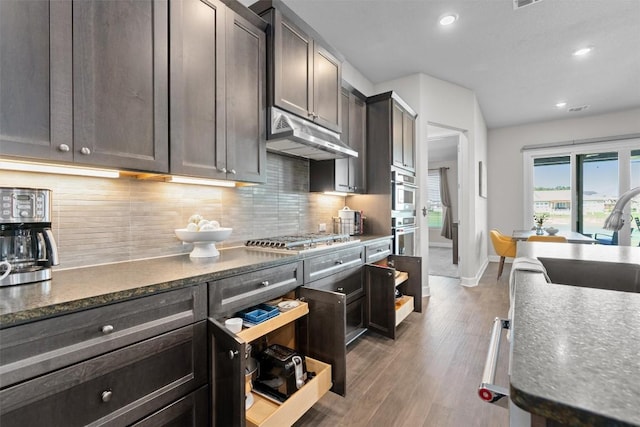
<point x="27" y="247"/>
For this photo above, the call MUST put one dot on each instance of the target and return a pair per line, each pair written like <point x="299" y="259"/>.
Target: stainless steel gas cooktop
<point x="300" y="243"/>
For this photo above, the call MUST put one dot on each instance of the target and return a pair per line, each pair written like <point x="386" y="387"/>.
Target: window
<point x="434" y="202"/>
<point x="578" y="185"/>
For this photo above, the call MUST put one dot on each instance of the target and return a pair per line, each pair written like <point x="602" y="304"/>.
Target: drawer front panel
<point x="118" y="388"/>
<point x="229" y="295"/>
<point x="332" y="262"/>
<point x="348" y="282"/>
<point x="378" y="250"/>
<point x="190" y="411"/>
<point x="36" y="348"/>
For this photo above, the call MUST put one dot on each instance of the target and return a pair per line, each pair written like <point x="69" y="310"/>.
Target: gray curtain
<point x="447" y="222"/>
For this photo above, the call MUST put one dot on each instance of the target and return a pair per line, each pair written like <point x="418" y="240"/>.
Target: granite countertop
<point x="575" y="350"/>
<point x="81" y="288"/>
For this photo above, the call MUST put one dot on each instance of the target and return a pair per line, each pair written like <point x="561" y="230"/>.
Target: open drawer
<point x="265" y="413"/>
<point x="295" y="329"/>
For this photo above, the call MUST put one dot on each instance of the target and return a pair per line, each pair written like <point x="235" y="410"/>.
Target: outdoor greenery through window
<point x="434" y="202"/>
<point x="552" y="191"/>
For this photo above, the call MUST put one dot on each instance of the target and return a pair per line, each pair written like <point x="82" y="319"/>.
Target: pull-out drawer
<point x="376" y="251"/>
<point x="332" y="262"/>
<point x="229" y="295"/>
<point x="116" y="388"/>
<point x="36" y="348"/>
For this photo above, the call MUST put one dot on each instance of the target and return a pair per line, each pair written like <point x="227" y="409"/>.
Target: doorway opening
<point x="443" y="147"/>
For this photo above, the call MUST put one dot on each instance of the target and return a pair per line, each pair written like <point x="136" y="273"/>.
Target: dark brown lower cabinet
<point x="316" y="329"/>
<point x="119" y="388"/>
<point x="384" y="311"/>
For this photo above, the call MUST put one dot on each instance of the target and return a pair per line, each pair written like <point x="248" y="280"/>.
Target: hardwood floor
<point x="430" y="374"/>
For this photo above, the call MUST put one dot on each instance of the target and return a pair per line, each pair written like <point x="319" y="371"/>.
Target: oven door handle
<point x="488" y="391"/>
<point x="405" y="230"/>
<point x="406" y="184"/>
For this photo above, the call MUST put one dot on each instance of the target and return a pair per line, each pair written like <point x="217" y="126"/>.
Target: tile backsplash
<point x="101" y="220"/>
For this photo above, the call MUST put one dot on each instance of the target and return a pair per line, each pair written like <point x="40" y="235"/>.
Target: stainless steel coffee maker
<point x="27" y="247"/>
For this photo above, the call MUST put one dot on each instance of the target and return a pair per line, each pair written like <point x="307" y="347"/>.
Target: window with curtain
<point x="434" y="202"/>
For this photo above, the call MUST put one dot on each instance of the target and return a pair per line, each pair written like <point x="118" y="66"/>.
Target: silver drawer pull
<point x="85" y="151"/>
<point x="106" y="395"/>
<point x="233" y="354"/>
<point x="107" y="329"/>
<point x="265" y="283"/>
<point x="340" y="290"/>
<point x="64" y="148"/>
<point x="339" y="261"/>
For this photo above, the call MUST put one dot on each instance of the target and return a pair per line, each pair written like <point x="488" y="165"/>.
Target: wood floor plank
<point x="430" y="374"/>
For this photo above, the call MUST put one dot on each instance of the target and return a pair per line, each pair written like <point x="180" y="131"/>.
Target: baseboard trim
<point x="470" y="282"/>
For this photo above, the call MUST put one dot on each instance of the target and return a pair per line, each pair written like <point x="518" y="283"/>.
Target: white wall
<point x="505" y="174"/>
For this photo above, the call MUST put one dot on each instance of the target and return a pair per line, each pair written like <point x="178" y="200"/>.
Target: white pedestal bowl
<point x="204" y="242"/>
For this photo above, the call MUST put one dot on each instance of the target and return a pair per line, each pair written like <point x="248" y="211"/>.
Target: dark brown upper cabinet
<point x="391" y="131"/>
<point x="305" y="74"/>
<point x="86" y="82"/>
<point x="345" y="175"/>
<point x="35" y="82"/>
<point x="218" y="103"/>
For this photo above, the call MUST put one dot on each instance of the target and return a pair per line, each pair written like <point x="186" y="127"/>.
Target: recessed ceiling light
<point x="448" y="19"/>
<point x="583" y="51"/>
<point x="561" y="104"/>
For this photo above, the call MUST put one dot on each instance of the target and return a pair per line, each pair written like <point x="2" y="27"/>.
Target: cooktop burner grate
<point x="299" y="242"/>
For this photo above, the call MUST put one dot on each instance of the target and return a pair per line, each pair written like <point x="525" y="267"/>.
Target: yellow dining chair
<point x="504" y="246"/>
<point x="537" y="238"/>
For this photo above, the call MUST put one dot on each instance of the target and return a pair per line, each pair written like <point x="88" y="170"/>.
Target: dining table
<point x="572" y="236"/>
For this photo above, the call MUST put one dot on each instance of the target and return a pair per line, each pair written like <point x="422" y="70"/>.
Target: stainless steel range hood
<point x="292" y="135"/>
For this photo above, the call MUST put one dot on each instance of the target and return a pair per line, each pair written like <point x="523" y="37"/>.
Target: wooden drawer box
<point x="226" y="296"/>
<point x="118" y="388"/>
<point x="36" y="348"/>
<point x="332" y="262"/>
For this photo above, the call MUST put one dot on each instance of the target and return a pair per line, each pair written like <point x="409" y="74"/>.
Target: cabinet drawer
<point x="118" y="388"/>
<point x="332" y="262"/>
<point x="378" y="250"/>
<point x="36" y="348"/>
<point x="348" y="282"/>
<point x="190" y="411"/>
<point x="229" y="295"/>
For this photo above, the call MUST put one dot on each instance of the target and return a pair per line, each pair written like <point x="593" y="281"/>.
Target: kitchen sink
<point x="615" y="276"/>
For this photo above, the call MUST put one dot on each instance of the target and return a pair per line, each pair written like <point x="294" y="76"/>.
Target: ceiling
<point x="518" y="62"/>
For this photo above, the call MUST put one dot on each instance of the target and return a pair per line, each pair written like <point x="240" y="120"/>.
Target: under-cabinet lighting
<point x="583" y="51"/>
<point x="200" y="181"/>
<point x="55" y="169"/>
<point x="335" y="193"/>
<point x="561" y="104"/>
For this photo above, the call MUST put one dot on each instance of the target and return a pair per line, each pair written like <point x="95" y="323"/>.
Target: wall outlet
<point x="322" y="227"/>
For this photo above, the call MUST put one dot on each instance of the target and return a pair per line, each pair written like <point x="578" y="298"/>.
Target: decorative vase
<point x="539" y="230"/>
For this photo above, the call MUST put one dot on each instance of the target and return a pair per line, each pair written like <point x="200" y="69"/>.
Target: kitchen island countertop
<point x="82" y="288"/>
<point x="576" y="350"/>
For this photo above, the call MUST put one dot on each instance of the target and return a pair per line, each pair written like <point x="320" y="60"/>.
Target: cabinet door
<point x="198" y="144"/>
<point x="227" y="376"/>
<point x="292" y="56"/>
<point x="327" y="79"/>
<point x="357" y="138"/>
<point x="342" y="166"/>
<point x="380" y="291"/>
<point x="322" y="336"/>
<point x="35" y="79"/>
<point x="190" y="411"/>
<point x="245" y="100"/>
<point x="408" y="141"/>
<point x="413" y="286"/>
<point x="120" y="84"/>
<point x="397" y="149"/>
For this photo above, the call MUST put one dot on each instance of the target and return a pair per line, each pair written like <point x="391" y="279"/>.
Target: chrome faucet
<point x="615" y="221"/>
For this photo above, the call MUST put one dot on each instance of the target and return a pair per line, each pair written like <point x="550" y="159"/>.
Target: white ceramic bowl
<point x="203" y="236"/>
<point x="552" y="231"/>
